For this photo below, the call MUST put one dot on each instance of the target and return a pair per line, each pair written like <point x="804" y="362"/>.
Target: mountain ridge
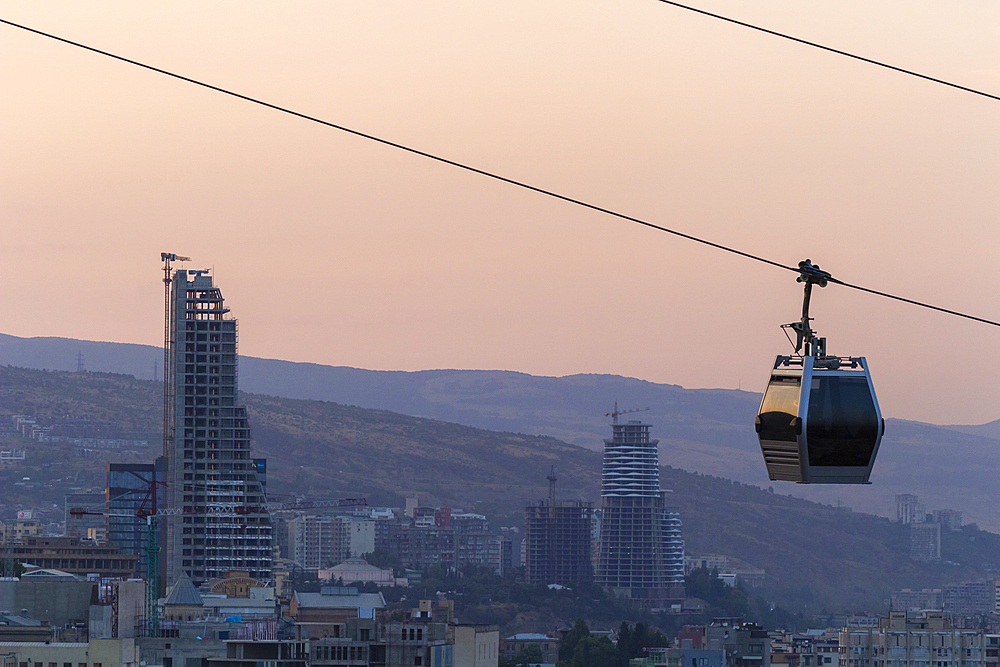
<point x="703" y="430"/>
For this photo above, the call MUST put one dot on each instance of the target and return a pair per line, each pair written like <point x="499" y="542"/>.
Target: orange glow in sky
<point x="336" y="250"/>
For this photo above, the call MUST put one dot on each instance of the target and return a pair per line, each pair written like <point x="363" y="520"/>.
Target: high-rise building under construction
<point x="557" y="540"/>
<point x="641" y="552"/>
<point x="217" y="519"/>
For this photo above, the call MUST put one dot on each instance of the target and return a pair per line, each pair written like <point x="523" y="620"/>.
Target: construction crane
<point x="614" y="413"/>
<point x="166" y="258"/>
<point x="147" y="511"/>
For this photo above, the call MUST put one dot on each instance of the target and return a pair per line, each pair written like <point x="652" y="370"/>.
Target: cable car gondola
<point x="819" y="421"/>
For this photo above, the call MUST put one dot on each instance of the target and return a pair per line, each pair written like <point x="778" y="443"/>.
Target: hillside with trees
<point x="818" y="558"/>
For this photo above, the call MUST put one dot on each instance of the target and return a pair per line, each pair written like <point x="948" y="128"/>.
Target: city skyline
<point x="734" y="136"/>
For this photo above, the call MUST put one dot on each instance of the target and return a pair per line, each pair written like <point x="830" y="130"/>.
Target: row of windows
<point x="213" y="337"/>
<point x="359" y="653"/>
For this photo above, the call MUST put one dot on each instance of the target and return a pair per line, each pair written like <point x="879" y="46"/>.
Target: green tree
<point x="594" y="651"/>
<point x="567" y="647"/>
<point x="529" y="655"/>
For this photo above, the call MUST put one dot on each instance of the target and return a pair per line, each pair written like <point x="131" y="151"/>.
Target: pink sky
<point x="336" y="250"/>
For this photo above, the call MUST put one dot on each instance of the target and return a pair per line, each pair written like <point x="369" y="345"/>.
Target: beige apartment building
<point x="920" y="639"/>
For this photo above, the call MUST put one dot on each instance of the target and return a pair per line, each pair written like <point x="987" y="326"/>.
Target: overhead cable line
<point x="823" y="47"/>
<point x="483" y="172"/>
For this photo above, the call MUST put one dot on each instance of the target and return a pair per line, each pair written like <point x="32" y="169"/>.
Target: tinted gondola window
<point x="841" y="424"/>
<point x="780" y="407"/>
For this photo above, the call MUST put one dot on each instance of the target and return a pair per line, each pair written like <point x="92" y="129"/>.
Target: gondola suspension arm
<point x="810" y="274"/>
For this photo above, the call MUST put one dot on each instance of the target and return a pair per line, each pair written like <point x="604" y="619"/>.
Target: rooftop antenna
<point x="552" y="483"/>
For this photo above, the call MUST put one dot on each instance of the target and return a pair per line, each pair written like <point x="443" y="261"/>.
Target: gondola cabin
<point x="819" y="421"/>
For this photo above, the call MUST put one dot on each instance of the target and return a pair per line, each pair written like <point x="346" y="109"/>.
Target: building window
<point x="418" y="660"/>
<point x="420" y="633"/>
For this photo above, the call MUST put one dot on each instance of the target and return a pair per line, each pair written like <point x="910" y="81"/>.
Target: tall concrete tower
<point x="214" y="487"/>
<point x="640" y="553"/>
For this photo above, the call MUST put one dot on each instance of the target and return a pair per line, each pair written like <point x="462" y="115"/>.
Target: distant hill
<point x="816" y="556"/>
<point x="702" y="430"/>
<point x="990" y="430"/>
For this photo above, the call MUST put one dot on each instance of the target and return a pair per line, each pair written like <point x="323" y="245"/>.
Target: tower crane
<point x="166" y="258"/>
<point x="614" y="413"/>
<point x="148" y="512"/>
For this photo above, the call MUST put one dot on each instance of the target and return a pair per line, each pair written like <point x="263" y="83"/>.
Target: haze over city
<point x="379" y="259"/>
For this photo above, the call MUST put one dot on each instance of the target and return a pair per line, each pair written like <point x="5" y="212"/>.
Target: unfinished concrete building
<point x="214" y="487"/>
<point x="641" y="552"/>
<point x="557" y="542"/>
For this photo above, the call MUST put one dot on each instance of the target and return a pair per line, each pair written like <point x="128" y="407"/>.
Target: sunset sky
<point x="333" y="249"/>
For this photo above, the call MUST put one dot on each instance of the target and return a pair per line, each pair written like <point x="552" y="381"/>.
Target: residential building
<point x="925" y="542"/>
<point x="919" y="639"/>
<point x="440" y="537"/>
<point x="969" y="598"/>
<point x="909" y="509"/>
<point x="323" y="541"/>
<point x="557" y="542"/>
<point x="549" y="646"/>
<point x="16" y="531"/>
<point x="641" y="553"/>
<point x="745" y="644"/>
<point x="210" y="474"/>
<point x="926" y="598"/>
<point x="949" y="519"/>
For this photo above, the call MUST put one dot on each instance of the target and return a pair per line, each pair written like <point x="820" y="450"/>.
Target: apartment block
<point x="324" y="541"/>
<point x="925" y="542"/>
<point x="918" y="639"/>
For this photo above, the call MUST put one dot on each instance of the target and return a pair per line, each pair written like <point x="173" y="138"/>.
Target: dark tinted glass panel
<point x="780" y="407"/>
<point x="841" y="425"/>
